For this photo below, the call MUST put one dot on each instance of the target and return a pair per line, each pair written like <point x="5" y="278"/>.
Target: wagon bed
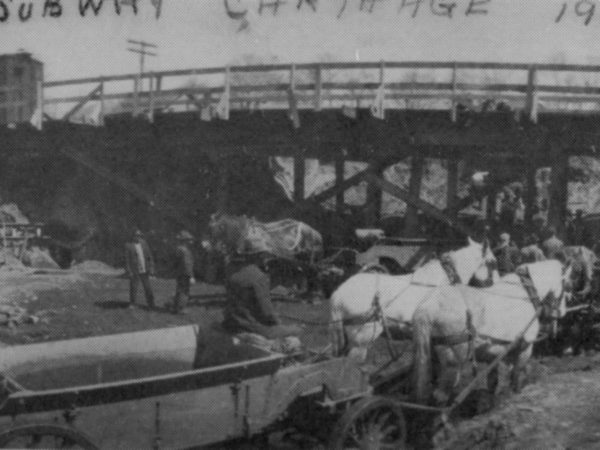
<point x="172" y="387"/>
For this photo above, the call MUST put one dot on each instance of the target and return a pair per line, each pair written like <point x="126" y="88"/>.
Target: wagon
<point x="178" y="388"/>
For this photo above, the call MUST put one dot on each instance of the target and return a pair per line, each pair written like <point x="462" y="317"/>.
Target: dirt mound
<point x="10" y="213"/>
<point x="97" y="267"/>
<point x="9" y="263"/>
<point x="38" y="258"/>
<point x="559" y="412"/>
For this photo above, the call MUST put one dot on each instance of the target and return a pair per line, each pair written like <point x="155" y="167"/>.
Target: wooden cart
<point x="178" y="388"/>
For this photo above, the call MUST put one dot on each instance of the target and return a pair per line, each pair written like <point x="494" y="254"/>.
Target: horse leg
<point x="360" y="337"/>
<point x="421" y="374"/>
<point x="337" y="333"/>
<point x="519" y="371"/>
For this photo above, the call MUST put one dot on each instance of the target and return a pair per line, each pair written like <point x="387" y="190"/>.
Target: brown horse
<point x="293" y="245"/>
<point x="288" y="238"/>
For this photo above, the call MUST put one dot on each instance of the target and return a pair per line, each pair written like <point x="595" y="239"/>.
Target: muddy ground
<point x="558" y="411"/>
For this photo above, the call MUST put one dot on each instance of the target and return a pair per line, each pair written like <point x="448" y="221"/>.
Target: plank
<point x="424" y="206"/>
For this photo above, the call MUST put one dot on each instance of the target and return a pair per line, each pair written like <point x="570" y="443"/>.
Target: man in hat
<point x="553" y="247"/>
<point x="577" y="232"/>
<point x="531" y="252"/>
<point x="140" y="266"/>
<point x="184" y="271"/>
<point x="249" y="307"/>
<point x="507" y="254"/>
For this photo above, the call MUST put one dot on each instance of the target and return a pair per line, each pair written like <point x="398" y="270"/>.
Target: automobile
<point x="389" y="255"/>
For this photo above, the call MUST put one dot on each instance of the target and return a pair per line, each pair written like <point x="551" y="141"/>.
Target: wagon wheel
<point x="45" y="436"/>
<point x="374" y="268"/>
<point x="372" y="423"/>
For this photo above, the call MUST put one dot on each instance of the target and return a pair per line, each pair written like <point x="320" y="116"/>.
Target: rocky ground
<point x="558" y="411"/>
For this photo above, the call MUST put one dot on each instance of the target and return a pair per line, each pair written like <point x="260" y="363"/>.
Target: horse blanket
<point x="286" y="238"/>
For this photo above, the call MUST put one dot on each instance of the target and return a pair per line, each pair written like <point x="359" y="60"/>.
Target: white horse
<point x="461" y="324"/>
<point x="353" y="313"/>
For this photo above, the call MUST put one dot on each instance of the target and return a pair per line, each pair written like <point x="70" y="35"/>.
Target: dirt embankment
<point x="559" y="411"/>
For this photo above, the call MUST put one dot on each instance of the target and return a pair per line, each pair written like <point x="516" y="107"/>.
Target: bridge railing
<point x="382" y="85"/>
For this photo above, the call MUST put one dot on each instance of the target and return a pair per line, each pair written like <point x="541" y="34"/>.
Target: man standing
<point x="507" y="254"/>
<point x="140" y="266"/>
<point x="553" y="247"/>
<point x="531" y="253"/>
<point x="184" y="271"/>
<point x="577" y="233"/>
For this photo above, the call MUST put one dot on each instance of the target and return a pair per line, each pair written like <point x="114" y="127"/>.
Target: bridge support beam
<point x="340" y="164"/>
<point x="299" y="176"/>
<point x="452" y="187"/>
<point x="558" y="186"/>
<point x="411" y="225"/>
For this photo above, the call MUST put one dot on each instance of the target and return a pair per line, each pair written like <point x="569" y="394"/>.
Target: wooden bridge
<point x="381" y="85"/>
<point x="524" y="116"/>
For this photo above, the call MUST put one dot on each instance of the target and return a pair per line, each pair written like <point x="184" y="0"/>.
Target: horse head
<point x="226" y="233"/>
<point x="476" y="260"/>
<point x="487" y="272"/>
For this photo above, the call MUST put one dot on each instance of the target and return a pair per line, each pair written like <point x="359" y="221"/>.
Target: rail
<point x="381" y="85"/>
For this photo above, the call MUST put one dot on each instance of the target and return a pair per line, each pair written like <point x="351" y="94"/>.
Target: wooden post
<point x="452" y="187"/>
<point x="558" y="186"/>
<point x="102" y="103"/>
<point x="223" y="191"/>
<point x="158" y="83"/>
<point x="340" y="163"/>
<point x="453" y="114"/>
<point x="299" y="175"/>
<point x="374" y="197"/>
<point x="411" y="224"/>
<point x="151" y="103"/>
<point x="530" y="194"/>
<point x="531" y="101"/>
<point x="318" y="88"/>
<point x="136" y="95"/>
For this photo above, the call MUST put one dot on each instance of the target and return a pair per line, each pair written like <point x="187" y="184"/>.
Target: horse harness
<point x="469" y="335"/>
<point x="376" y="310"/>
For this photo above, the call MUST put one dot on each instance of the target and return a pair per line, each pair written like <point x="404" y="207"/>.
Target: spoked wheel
<point x="45" y="436"/>
<point x="371" y="424"/>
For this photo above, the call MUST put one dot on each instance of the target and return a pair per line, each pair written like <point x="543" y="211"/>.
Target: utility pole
<point x="138" y="85"/>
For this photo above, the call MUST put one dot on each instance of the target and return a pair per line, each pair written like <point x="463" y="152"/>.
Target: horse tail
<point x="339" y="340"/>
<point x="422" y="357"/>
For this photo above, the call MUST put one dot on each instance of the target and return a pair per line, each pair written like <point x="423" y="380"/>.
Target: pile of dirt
<point x="10" y="213"/>
<point x="98" y="268"/>
<point x="558" y="412"/>
<point x="11" y="316"/>
<point x="38" y="258"/>
<point x="9" y="263"/>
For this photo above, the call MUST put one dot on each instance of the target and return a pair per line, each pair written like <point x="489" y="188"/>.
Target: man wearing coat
<point x="140" y="267"/>
<point x="249" y="305"/>
<point x="553" y="247"/>
<point x="184" y="271"/>
<point x="507" y="254"/>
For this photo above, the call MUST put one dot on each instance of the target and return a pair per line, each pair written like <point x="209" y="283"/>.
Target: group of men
<point x="249" y="307"/>
<point x="509" y="256"/>
<point x="140" y="267"/>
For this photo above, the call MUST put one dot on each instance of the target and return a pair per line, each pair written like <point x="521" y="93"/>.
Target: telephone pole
<point x="142" y="50"/>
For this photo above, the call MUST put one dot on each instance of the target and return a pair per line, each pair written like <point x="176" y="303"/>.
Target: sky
<point x="200" y="33"/>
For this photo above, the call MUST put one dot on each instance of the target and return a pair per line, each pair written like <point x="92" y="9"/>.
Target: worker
<point x="532" y="252"/>
<point x="140" y="266"/>
<point x="249" y="307"/>
<point x="577" y="232"/>
<point x="184" y="272"/>
<point x="553" y="247"/>
<point x="507" y="254"/>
